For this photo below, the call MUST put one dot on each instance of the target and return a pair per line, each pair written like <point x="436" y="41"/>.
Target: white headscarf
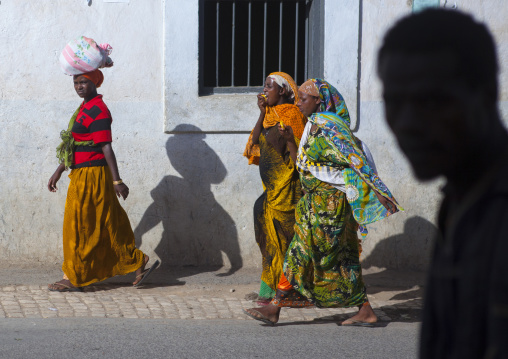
<point x="282" y="82"/>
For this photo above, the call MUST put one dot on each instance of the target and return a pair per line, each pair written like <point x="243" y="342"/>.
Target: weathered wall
<point x="404" y="240"/>
<point x="37" y="100"/>
<point x="191" y="193"/>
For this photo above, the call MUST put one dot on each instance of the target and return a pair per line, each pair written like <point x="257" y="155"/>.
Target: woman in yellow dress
<point x="274" y="210"/>
<point x="343" y="193"/>
<point x="98" y="241"/>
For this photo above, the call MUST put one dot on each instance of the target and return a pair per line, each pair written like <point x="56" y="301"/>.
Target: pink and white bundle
<point x="83" y="55"/>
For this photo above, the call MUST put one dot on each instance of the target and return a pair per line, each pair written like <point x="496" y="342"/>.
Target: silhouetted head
<point x="192" y="158"/>
<point x="439" y="72"/>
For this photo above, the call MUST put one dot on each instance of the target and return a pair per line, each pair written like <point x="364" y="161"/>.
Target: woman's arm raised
<point x="259" y="125"/>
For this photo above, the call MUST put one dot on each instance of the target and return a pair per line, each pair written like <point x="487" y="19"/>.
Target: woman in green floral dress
<point x="342" y="193"/>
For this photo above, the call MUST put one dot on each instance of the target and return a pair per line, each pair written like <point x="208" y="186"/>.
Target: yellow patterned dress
<point x="274" y="210"/>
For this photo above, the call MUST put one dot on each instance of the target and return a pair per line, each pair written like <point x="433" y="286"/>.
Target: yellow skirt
<point x="98" y="241"/>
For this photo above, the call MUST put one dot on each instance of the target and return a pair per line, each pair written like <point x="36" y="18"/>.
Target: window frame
<point x="314" y="45"/>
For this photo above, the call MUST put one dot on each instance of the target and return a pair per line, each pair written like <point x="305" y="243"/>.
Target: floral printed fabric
<point x="359" y="178"/>
<point x="322" y="261"/>
<point x="332" y="100"/>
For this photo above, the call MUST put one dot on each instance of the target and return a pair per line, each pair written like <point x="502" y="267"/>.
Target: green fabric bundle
<point x="65" y="150"/>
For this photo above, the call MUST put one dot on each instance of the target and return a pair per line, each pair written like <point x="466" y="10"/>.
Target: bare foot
<point x="268" y="313"/>
<point x="364" y="315"/>
<point x="141" y="270"/>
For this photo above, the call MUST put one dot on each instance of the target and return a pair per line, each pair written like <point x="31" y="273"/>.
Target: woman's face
<point x="272" y="91"/>
<point x="308" y="104"/>
<point x="84" y="87"/>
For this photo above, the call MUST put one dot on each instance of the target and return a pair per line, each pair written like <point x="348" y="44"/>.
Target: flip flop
<point x="147" y="272"/>
<point x="66" y="288"/>
<point x="261" y="317"/>
<point x="358" y="323"/>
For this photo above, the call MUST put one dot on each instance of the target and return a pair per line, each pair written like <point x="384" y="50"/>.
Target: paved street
<point x="186" y="294"/>
<point x="161" y="338"/>
<point x="191" y="313"/>
<point x="114" y="301"/>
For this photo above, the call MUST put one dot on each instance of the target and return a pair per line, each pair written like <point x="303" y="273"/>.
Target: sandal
<point x="64" y="285"/>
<point x="141" y="270"/>
<point x="357" y="323"/>
<point x="143" y="275"/>
<point x="291" y="299"/>
<point x="258" y="316"/>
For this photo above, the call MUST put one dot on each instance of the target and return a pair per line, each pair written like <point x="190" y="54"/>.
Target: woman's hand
<point x="286" y="133"/>
<point x="55" y="177"/>
<point x="122" y="190"/>
<point x="53" y="180"/>
<point x="389" y="205"/>
<point x="262" y="103"/>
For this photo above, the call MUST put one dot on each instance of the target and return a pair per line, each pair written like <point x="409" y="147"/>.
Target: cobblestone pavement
<point x="114" y="301"/>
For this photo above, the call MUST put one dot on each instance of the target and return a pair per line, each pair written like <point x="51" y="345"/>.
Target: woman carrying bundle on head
<point x="274" y="210"/>
<point x="342" y="193"/>
<point x="98" y="241"/>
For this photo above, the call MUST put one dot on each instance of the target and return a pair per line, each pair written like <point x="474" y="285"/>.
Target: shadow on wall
<point x="409" y="250"/>
<point x="197" y="230"/>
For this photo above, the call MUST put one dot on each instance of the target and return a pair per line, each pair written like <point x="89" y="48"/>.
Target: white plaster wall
<point x="404" y="240"/>
<point x="182" y="101"/>
<point x="191" y="194"/>
<point x="341" y="50"/>
<point x="494" y="13"/>
<point x="37" y="100"/>
<point x="221" y="219"/>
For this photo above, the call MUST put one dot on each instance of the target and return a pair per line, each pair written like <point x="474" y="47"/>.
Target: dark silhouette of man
<point x="439" y="72"/>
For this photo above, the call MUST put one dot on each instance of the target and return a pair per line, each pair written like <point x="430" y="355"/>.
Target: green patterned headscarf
<point x="331" y="99"/>
<point x="361" y="181"/>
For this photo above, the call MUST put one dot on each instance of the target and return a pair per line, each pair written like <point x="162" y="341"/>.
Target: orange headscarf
<point x="95" y="76"/>
<point x="288" y="113"/>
